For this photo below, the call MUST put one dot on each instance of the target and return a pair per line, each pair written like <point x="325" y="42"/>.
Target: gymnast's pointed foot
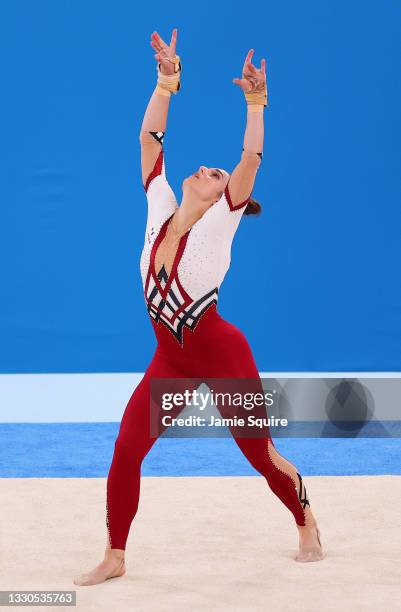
<point x="112" y="566"/>
<point x="310" y="547"/>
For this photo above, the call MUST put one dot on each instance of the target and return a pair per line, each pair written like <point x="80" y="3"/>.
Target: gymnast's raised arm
<point x="155" y="118"/>
<point x="253" y="84"/>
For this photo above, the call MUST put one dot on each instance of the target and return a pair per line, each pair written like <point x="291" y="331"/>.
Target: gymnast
<point x="185" y="258"/>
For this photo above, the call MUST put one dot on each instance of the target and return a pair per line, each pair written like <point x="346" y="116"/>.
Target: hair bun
<point x="253" y="207"/>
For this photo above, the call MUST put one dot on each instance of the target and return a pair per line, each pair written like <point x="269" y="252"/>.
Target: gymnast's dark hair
<point x="253" y="207"/>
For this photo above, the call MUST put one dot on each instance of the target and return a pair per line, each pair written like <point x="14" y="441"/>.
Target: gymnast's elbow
<point x="146" y="138"/>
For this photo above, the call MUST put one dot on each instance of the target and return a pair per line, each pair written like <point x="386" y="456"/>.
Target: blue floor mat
<point x="85" y="450"/>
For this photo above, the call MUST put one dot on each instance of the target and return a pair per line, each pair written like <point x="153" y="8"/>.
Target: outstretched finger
<point x="173" y="40"/>
<point x="248" y="57"/>
<point x="251" y="67"/>
<point x="243" y="83"/>
<point x="263" y="66"/>
<point x="158" y="39"/>
<point x="154" y="41"/>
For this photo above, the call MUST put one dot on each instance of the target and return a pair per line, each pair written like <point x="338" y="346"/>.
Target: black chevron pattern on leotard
<point x="162" y="309"/>
<point x="158" y="136"/>
<point x="303" y="498"/>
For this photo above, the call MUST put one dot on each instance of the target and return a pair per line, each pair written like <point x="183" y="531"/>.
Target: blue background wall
<point x="315" y="280"/>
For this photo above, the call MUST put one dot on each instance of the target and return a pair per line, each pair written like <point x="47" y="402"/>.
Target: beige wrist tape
<point x="170" y="82"/>
<point x="256" y="98"/>
<point x="163" y="92"/>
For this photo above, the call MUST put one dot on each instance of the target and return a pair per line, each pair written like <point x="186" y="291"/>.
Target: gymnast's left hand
<point x="253" y="79"/>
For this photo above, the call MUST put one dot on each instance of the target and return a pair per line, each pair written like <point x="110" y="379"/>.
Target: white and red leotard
<point x="201" y="262"/>
<point x="193" y="341"/>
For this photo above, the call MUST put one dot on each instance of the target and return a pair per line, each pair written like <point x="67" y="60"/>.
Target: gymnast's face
<point x="207" y="184"/>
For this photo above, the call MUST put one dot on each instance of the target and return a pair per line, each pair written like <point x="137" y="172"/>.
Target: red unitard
<point x="193" y="340"/>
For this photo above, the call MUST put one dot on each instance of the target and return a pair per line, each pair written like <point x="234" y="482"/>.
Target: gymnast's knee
<point x="261" y="464"/>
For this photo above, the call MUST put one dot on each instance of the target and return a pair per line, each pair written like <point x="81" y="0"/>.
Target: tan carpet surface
<point x="207" y="544"/>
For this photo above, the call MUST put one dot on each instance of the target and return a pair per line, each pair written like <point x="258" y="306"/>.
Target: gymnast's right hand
<point x="164" y="51"/>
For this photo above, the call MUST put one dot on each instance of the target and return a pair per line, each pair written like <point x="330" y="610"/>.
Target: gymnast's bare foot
<point x="310" y="547"/>
<point x="112" y="566"/>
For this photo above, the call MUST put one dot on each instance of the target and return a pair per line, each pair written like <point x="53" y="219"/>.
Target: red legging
<point x="214" y="349"/>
